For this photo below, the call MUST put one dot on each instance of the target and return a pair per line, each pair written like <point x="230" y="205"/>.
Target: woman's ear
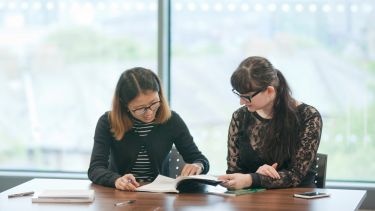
<point x="271" y="90"/>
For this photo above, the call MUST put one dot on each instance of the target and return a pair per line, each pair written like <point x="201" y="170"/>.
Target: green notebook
<point x="243" y="191"/>
<point x="219" y="190"/>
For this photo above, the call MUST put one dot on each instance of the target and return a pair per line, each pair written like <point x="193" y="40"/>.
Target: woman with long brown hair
<point x="273" y="139"/>
<point x="133" y="139"/>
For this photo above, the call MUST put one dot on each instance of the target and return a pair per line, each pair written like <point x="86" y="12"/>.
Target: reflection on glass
<point x="326" y="50"/>
<point x="59" y="61"/>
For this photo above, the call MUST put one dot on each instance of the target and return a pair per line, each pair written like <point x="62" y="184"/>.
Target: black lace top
<point x="245" y="156"/>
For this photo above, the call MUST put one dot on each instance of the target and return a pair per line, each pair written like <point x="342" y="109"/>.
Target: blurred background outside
<point x="60" y="61"/>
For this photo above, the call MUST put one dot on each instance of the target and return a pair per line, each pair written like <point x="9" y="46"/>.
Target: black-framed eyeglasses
<point x="141" y="111"/>
<point x="248" y="97"/>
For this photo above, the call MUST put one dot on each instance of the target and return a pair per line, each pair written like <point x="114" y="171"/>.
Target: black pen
<point x="21" y="194"/>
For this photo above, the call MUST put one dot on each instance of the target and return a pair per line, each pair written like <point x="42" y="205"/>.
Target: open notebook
<point x="64" y="196"/>
<point x="167" y="184"/>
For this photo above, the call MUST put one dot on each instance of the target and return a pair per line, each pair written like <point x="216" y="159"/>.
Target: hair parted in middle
<point x="255" y="73"/>
<point x="132" y="82"/>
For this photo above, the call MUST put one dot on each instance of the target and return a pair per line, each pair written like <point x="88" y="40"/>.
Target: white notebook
<point x="64" y="196"/>
<point x="166" y="184"/>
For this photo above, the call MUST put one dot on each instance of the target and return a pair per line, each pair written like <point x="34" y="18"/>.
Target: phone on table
<point x="311" y="195"/>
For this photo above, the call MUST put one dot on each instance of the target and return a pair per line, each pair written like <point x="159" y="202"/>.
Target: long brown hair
<point x="131" y="83"/>
<point x="255" y="73"/>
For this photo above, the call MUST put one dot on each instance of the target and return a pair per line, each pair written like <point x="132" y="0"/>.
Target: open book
<point x="167" y="184"/>
<point x="64" y="196"/>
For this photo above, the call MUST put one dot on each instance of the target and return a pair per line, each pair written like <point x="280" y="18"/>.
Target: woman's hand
<point x="126" y="182"/>
<point x="191" y="169"/>
<point x="236" y="181"/>
<point x="268" y="170"/>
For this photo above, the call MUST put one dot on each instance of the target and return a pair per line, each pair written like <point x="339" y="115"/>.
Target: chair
<point x="173" y="164"/>
<point x="321" y="169"/>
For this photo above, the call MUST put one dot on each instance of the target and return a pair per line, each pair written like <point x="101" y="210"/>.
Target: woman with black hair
<point x="133" y="139"/>
<point x="273" y="139"/>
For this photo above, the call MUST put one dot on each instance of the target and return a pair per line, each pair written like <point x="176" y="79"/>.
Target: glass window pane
<point x="60" y="61"/>
<point x="325" y="49"/>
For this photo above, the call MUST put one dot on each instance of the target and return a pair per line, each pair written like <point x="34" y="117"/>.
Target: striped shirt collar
<point x="141" y="128"/>
<point x="138" y="123"/>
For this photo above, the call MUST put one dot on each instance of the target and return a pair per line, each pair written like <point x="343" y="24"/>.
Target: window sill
<point x="43" y="174"/>
<point x="83" y="175"/>
<point x="350" y="185"/>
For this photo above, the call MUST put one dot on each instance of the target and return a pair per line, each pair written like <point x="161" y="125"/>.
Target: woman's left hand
<point x="269" y="171"/>
<point x="236" y="181"/>
<point x="191" y="169"/>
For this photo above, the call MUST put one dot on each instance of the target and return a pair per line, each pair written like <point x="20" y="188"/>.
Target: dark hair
<point x="255" y="73"/>
<point x="131" y="83"/>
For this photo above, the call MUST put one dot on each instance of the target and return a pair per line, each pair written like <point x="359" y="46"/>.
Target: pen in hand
<point x="127" y="181"/>
<point x="21" y="194"/>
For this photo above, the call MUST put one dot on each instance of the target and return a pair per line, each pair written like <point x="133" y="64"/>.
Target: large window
<point x="326" y="50"/>
<point x="60" y="61"/>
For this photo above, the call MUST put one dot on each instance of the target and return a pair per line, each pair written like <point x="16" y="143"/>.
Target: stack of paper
<point x="64" y="196"/>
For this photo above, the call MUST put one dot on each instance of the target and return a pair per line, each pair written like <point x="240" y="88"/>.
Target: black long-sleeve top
<point x="245" y="156"/>
<point x="111" y="159"/>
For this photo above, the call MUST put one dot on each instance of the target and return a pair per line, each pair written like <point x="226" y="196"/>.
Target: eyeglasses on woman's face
<point x="248" y="98"/>
<point x="141" y="111"/>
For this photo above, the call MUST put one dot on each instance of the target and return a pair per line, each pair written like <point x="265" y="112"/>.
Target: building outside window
<point x="326" y="50"/>
<point x="60" y="61"/>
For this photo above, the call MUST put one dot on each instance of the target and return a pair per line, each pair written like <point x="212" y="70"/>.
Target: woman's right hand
<point x="269" y="171"/>
<point x="126" y="182"/>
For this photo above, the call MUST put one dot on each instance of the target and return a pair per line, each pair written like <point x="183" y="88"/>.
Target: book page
<point x="201" y="177"/>
<point x="160" y="184"/>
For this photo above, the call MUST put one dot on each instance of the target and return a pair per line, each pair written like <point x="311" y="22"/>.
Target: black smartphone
<point x="311" y="195"/>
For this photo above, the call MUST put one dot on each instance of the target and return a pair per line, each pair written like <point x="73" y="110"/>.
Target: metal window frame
<point x="164" y="45"/>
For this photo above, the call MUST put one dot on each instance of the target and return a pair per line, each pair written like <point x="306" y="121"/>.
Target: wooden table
<point x="280" y="199"/>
